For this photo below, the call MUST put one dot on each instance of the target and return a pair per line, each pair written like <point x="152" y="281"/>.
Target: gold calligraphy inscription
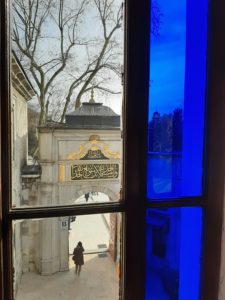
<point x="94" y="144"/>
<point x="61" y="173"/>
<point x="94" y="171"/>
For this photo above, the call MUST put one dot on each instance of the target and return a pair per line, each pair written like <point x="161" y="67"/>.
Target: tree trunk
<point x="77" y="102"/>
<point x="42" y="116"/>
<point x="65" y="108"/>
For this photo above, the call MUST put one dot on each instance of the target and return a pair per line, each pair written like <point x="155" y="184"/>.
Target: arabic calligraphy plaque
<point x="94" y="171"/>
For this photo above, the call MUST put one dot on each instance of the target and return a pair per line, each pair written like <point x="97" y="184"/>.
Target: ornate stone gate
<point x="79" y="156"/>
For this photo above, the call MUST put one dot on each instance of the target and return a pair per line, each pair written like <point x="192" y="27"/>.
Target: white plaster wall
<point x="19" y="157"/>
<point x="17" y="254"/>
<point x="45" y="146"/>
<point x="19" y="144"/>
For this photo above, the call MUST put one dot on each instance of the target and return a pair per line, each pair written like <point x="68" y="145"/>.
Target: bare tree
<point x="32" y="32"/>
<point x="93" y="76"/>
<point x="65" y="57"/>
<point x="104" y="60"/>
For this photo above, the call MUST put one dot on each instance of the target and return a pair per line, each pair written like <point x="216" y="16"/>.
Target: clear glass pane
<point x="177" y="98"/>
<point x="173" y="247"/>
<point x="43" y="251"/>
<point x="66" y="99"/>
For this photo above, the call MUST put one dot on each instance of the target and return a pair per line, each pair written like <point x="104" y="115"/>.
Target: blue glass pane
<point x="173" y="253"/>
<point x="176" y="98"/>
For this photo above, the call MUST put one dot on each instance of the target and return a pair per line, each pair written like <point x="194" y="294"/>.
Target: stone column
<point x="49" y="246"/>
<point x="64" y="244"/>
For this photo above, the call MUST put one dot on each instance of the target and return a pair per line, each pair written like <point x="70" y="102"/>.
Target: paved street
<point x="98" y="279"/>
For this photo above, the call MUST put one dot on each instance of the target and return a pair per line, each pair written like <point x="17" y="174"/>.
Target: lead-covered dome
<point x="93" y="115"/>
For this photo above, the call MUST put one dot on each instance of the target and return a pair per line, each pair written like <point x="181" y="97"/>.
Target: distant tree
<point x="177" y="130"/>
<point x="155" y="137"/>
<point x="165" y="132"/>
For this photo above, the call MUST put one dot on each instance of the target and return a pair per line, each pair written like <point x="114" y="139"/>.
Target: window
<point x="177" y="97"/>
<point x="134" y="206"/>
<point x="66" y="60"/>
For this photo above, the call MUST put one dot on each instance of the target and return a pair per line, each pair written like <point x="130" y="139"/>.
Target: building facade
<point x="22" y="91"/>
<point x="78" y="157"/>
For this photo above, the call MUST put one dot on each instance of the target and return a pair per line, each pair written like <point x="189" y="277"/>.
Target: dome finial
<point x="92" y="100"/>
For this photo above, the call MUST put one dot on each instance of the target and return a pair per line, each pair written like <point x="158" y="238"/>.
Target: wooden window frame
<point x="134" y="203"/>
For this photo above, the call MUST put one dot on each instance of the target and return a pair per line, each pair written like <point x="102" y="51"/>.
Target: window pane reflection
<point x="177" y="98"/>
<point x="43" y="252"/>
<point x="173" y="247"/>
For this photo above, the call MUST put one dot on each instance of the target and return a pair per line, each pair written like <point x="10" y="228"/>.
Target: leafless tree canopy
<point x="70" y="47"/>
<point x="64" y="55"/>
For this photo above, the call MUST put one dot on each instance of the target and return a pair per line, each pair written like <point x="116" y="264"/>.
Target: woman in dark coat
<point x="78" y="257"/>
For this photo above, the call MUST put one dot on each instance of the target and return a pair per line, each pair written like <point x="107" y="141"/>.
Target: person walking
<point x="78" y="257"/>
<point x="86" y="196"/>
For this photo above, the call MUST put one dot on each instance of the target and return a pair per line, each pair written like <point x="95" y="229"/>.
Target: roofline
<point x="20" y="80"/>
<point x="50" y="129"/>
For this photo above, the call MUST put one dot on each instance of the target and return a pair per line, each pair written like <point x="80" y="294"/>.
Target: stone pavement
<point x="98" y="280"/>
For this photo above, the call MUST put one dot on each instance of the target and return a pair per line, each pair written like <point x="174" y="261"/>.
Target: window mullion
<point x="66" y="211"/>
<point x="135" y="132"/>
<point x="179" y="202"/>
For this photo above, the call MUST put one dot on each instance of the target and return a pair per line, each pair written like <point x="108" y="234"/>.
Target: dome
<point x="93" y="115"/>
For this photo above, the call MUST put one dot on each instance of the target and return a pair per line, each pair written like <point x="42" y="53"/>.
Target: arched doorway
<point x="99" y="233"/>
<point x="94" y="230"/>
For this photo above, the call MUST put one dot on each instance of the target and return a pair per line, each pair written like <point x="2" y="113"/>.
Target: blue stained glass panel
<point x="173" y="253"/>
<point x="177" y="98"/>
